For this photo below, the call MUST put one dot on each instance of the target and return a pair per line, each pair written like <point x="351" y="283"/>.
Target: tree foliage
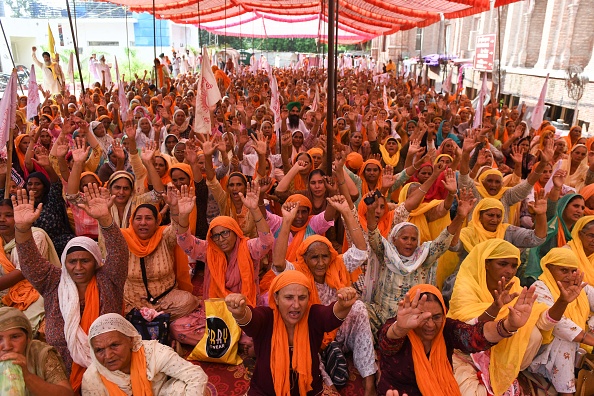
<point x="20" y="8"/>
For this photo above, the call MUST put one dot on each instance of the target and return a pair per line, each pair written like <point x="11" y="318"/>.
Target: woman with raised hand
<point x="416" y="346"/>
<point x="86" y="286"/>
<point x="288" y="334"/>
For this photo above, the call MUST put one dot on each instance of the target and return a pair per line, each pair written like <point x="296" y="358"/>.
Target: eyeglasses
<point x="223" y="234"/>
<point x="437" y="319"/>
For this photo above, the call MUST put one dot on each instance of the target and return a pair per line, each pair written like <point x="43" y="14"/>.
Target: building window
<point x="476" y="28"/>
<point x="419" y="41"/>
<point x="103" y="43"/>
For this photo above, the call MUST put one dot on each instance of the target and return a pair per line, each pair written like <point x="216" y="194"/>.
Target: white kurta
<point x="49" y="82"/>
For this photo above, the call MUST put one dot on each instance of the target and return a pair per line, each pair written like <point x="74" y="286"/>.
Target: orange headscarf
<point x="22" y="294"/>
<point x="166" y="178"/>
<point x="97" y="180"/>
<point x="587" y="192"/>
<point x="364" y="186"/>
<point x="301" y="361"/>
<point x="141" y="386"/>
<point x="354" y="161"/>
<point x="337" y="275"/>
<point x="434" y="375"/>
<point x="299" y="235"/>
<point x="144" y="247"/>
<point x="300" y="182"/>
<point x="384" y="224"/>
<point x="217" y="262"/>
<point x="19" y="153"/>
<point x="90" y="313"/>
<point x="187" y="169"/>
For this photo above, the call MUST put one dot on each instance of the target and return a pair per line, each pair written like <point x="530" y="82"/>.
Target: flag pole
<point x="75" y="42"/>
<point x="9" y="148"/>
<point x="11" y="58"/>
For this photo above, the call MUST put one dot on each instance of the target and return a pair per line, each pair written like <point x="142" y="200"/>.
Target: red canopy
<point x="358" y="20"/>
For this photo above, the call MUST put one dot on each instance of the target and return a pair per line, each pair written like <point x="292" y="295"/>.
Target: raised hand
<point x="410" y="312"/>
<point x="209" y="145"/>
<point x="25" y="213"/>
<point x="449" y="181"/>
<point x="466" y="202"/>
<point x="520" y="312"/>
<point x="517" y="154"/>
<point x="539" y="206"/>
<point x="502" y="293"/>
<point x="559" y="178"/>
<point x="289" y="211"/>
<point x="186" y="200"/>
<point x="548" y="152"/>
<point x="118" y="150"/>
<point x="339" y="203"/>
<point x="170" y="197"/>
<point x="236" y="304"/>
<point x="148" y="152"/>
<point x="287" y="138"/>
<point x="97" y="201"/>
<point x="470" y="142"/>
<point x="388" y="177"/>
<point x="301" y="166"/>
<point x="252" y="196"/>
<point x="576" y="285"/>
<point x="346" y="297"/>
<point x="130" y="131"/>
<point x="259" y="143"/>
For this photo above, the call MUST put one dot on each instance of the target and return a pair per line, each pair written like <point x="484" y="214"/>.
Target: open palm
<point x="410" y="314"/>
<point x="186" y="200"/>
<point x="25" y="213"/>
<point x="520" y="312"/>
<point x="97" y="201"/>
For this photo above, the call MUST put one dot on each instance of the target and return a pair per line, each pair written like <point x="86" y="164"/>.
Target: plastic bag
<point x="11" y="379"/>
<point x="221" y="338"/>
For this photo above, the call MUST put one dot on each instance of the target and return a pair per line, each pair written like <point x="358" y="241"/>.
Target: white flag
<point x="33" y="100"/>
<point x="478" y="116"/>
<point x="538" y="113"/>
<point x="207" y="97"/>
<point x="275" y="103"/>
<point x="8" y="106"/>
<point x="447" y="85"/>
<point x="117" y="68"/>
<point x="386" y="106"/>
<point x="71" y="69"/>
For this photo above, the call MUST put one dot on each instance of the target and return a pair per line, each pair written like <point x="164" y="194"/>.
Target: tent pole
<point x="75" y="42"/>
<point x="330" y="96"/>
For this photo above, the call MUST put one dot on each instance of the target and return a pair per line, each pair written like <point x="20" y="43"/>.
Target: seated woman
<point x="403" y="261"/>
<point x="487" y="224"/>
<point x="329" y="272"/>
<point x="43" y="370"/>
<point x="416" y="347"/>
<point x="582" y="244"/>
<point x="288" y="334"/>
<point x="124" y="364"/>
<point x="485" y="288"/>
<point x="86" y="286"/>
<point x="232" y="260"/>
<point x="560" y="287"/>
<point x="16" y="290"/>
<point x="569" y="210"/>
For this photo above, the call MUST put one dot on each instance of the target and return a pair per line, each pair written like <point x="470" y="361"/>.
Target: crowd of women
<point x="446" y="259"/>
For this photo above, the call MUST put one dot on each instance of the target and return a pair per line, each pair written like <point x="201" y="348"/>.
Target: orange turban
<point x="354" y="161"/>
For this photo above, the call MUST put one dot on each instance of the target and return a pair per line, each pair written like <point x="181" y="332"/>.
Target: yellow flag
<point x="51" y="42"/>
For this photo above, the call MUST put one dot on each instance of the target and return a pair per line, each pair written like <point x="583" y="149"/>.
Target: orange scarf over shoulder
<point x="217" y="263"/>
<point x="434" y="375"/>
<point x="90" y="313"/>
<point x="336" y="277"/>
<point x="22" y="294"/>
<point x="364" y="186"/>
<point x="141" y="386"/>
<point x="299" y="232"/>
<point x="280" y="364"/>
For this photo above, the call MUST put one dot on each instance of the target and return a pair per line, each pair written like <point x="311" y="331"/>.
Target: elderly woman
<point x="416" y="347"/>
<point x="289" y="333"/>
<point x="485" y="287"/>
<point x="576" y="166"/>
<point x="42" y="368"/>
<point x="124" y="364"/>
<point x="232" y="260"/>
<point x="403" y="262"/>
<point x="582" y="245"/>
<point x="86" y="286"/>
<point x="329" y="272"/>
<point x="560" y="286"/>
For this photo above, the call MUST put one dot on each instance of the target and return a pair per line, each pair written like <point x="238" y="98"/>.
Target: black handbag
<point x="156" y="329"/>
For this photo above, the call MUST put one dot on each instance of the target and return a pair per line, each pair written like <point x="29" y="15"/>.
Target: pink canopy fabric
<point x="358" y="20"/>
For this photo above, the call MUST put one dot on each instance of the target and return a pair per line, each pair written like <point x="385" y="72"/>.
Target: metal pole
<point x="154" y="32"/>
<point x="11" y="58"/>
<point x="75" y="42"/>
<point x="330" y="96"/>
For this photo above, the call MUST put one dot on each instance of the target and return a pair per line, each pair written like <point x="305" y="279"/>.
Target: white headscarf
<point x="398" y="263"/>
<point x="76" y="339"/>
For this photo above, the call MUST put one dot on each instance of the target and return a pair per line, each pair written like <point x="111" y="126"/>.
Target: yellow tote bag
<point x="221" y="338"/>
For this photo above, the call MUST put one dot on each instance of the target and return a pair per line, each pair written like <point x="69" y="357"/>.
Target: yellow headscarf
<point x="428" y="231"/>
<point x="579" y="309"/>
<point x="391" y="160"/>
<point x="513" y="209"/>
<point x="475" y="233"/>
<point x="586" y="263"/>
<point x="471" y="298"/>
